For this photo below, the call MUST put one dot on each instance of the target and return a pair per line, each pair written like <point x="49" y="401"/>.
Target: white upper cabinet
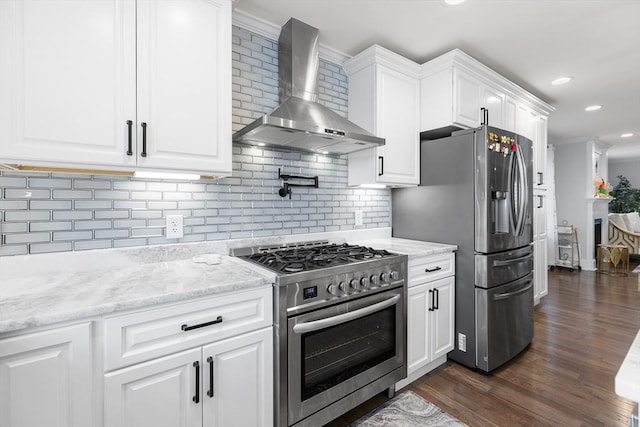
<point x="116" y="84"/>
<point x="384" y="98"/>
<point x="455" y="88"/>
<point x="67" y="75"/>
<point x="184" y="84"/>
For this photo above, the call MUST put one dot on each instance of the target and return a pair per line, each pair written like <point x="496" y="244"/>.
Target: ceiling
<point x="530" y="42"/>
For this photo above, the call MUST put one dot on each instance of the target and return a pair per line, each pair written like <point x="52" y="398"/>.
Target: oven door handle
<point x="303" y="328"/>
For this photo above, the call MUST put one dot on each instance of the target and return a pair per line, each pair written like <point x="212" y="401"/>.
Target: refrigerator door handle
<point x="499" y="263"/>
<point x="508" y="295"/>
<point x="521" y="193"/>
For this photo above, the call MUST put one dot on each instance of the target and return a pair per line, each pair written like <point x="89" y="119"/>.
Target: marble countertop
<point x="628" y="377"/>
<point x="49" y="298"/>
<point x="412" y="248"/>
<point x="37" y="290"/>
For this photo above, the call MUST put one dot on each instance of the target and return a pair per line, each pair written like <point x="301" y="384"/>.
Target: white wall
<point x="570" y="185"/>
<point x="575" y="167"/>
<point x="630" y="168"/>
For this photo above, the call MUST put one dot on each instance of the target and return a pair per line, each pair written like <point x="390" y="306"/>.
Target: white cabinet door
<point x="510" y="112"/>
<point x="540" y="153"/>
<point x="540" y="271"/>
<point x="467" y="99"/>
<point x="67" y="78"/>
<point x="46" y="378"/>
<point x="418" y="339"/>
<point x="184" y="85"/>
<point x="398" y="119"/>
<point x="525" y="122"/>
<point x="430" y="322"/>
<point x="386" y="102"/>
<point x="238" y="381"/>
<point x="159" y="393"/>
<point x="494" y="101"/>
<point x="442" y="323"/>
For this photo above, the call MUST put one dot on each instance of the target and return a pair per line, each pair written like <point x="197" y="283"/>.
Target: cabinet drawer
<point x="431" y="267"/>
<point x="143" y="335"/>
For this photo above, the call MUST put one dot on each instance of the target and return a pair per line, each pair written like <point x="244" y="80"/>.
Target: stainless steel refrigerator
<point x="476" y="192"/>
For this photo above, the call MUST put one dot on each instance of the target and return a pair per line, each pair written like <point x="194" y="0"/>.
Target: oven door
<point x="340" y="349"/>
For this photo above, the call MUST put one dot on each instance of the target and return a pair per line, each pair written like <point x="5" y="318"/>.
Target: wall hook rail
<point x="286" y="185"/>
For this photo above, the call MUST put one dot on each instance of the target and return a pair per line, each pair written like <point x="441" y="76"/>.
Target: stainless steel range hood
<point x="299" y="122"/>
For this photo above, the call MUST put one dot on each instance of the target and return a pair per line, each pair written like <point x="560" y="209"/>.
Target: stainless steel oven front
<point x="341" y="351"/>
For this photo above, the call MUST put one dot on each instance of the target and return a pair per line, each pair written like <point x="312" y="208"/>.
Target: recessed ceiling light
<point x="454" y="2"/>
<point x="626" y="135"/>
<point x="593" y="108"/>
<point x="261" y="144"/>
<point x="561" y="80"/>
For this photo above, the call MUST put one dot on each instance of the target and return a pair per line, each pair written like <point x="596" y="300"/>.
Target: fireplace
<point x="597" y="235"/>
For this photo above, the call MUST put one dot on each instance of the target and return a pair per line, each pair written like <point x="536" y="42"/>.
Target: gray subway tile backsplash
<point x="54" y="212"/>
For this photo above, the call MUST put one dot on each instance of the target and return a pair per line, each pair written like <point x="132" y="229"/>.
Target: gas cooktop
<point x="309" y="256"/>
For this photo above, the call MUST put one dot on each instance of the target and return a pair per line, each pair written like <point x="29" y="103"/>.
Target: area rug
<point x="407" y="410"/>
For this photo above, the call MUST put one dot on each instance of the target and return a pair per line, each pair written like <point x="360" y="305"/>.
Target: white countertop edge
<point x="628" y="376"/>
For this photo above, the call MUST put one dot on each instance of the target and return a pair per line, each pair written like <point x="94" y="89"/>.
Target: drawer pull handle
<point x="196" y="398"/>
<point x="431" y="270"/>
<point x="210" y="361"/>
<point x="186" y="327"/>
<point x="432" y="308"/>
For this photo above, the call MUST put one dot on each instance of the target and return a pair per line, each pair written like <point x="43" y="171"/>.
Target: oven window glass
<point x="335" y="354"/>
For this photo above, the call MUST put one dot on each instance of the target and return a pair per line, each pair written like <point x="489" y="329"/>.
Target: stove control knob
<point x="373" y="279"/>
<point x="333" y="289"/>
<point x="342" y="286"/>
<point x="384" y="277"/>
<point x="395" y="275"/>
<point x="354" y="284"/>
<point x="364" y="282"/>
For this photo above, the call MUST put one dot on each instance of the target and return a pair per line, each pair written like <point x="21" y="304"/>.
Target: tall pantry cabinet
<point x="116" y="84"/>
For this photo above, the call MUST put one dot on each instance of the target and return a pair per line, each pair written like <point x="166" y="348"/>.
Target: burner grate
<point x="299" y="258"/>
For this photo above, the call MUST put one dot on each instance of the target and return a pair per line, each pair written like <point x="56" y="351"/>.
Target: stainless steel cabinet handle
<point x="436" y="292"/>
<point x="210" y="361"/>
<point x="431" y="270"/>
<point x="381" y="158"/>
<point x="540" y="178"/>
<point x="302" y="328"/>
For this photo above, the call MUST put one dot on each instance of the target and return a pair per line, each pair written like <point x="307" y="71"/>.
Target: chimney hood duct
<point x="300" y="122"/>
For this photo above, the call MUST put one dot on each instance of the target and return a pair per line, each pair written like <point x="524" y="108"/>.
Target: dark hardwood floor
<point x="583" y="329"/>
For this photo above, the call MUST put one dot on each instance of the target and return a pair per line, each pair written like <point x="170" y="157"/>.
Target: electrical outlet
<point x="358" y="217"/>
<point x="462" y="342"/>
<point x="175" y="227"/>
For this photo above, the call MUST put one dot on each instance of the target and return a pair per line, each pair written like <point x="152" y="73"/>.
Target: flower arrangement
<point x="602" y="189"/>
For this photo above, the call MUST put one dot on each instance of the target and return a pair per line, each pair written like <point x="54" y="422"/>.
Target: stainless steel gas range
<point x="340" y="326"/>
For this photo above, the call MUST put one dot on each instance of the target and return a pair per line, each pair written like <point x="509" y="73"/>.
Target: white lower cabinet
<point x="227" y="383"/>
<point x="46" y="378"/>
<point x="207" y="362"/>
<point x="430" y="315"/>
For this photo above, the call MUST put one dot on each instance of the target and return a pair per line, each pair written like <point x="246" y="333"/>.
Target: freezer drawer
<point x="497" y="269"/>
<point x="504" y="322"/>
